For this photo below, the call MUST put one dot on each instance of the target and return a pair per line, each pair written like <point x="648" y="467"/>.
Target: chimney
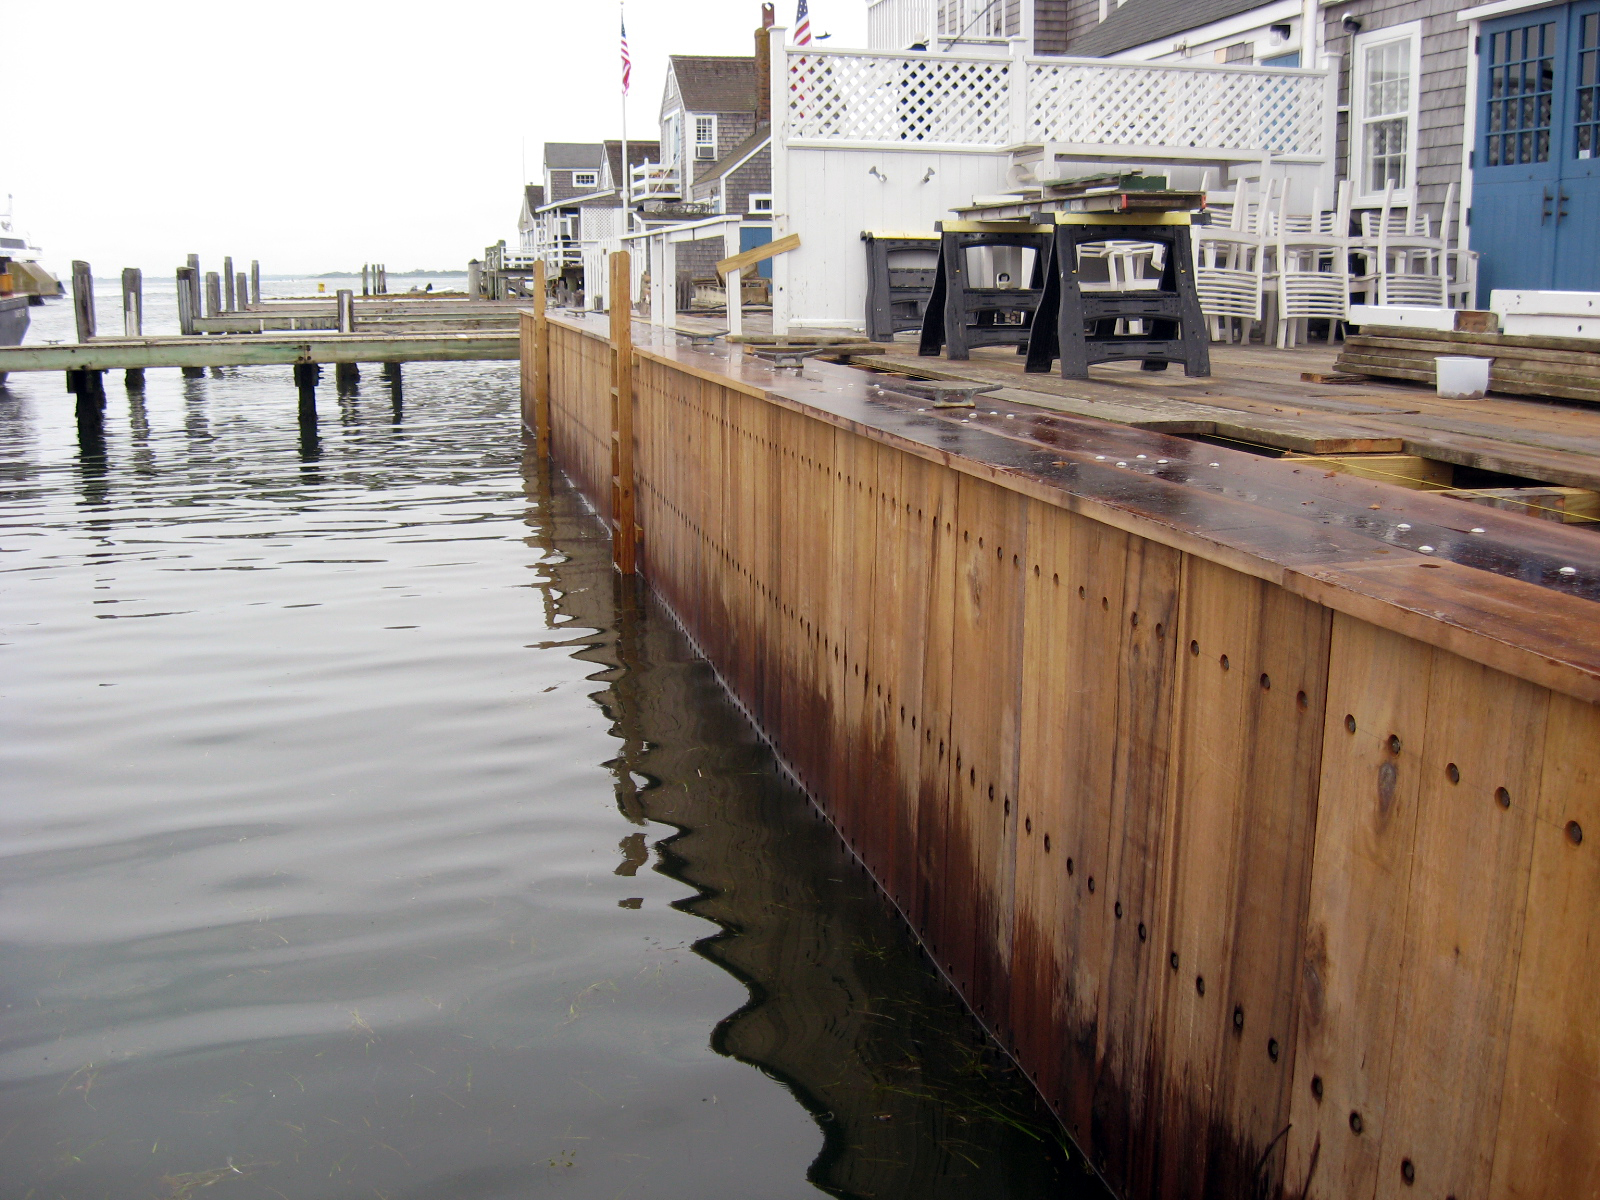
<point x="769" y="18"/>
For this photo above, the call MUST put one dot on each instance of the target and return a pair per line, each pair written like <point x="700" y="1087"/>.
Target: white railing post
<point x="1017" y="91"/>
<point x="734" y="283"/>
<point x="782" y="226"/>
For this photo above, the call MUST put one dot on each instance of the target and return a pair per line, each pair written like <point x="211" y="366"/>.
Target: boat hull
<point x="13" y="319"/>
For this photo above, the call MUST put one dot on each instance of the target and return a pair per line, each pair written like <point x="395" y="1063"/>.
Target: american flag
<point x="802" y="26"/>
<point x="627" y="63"/>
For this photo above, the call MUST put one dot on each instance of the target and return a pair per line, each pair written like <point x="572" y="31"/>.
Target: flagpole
<point x="627" y="175"/>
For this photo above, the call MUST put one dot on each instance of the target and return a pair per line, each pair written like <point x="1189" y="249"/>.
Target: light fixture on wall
<point x="1280" y="32"/>
<point x="1352" y="25"/>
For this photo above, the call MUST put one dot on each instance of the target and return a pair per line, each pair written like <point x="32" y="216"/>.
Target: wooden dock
<point x="246" y="350"/>
<point x="1244" y="798"/>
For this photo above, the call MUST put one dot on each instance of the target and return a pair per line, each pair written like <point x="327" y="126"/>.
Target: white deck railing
<point x="961" y="101"/>
<point x="655" y="181"/>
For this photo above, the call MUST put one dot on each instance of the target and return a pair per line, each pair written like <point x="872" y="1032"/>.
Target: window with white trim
<point x="705" y="138"/>
<point x="761" y="203"/>
<point x="585" y="179"/>
<point x="1383" y="111"/>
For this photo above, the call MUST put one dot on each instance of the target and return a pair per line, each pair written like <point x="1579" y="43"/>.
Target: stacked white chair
<point x="1230" y="268"/>
<point x="1313" y="266"/>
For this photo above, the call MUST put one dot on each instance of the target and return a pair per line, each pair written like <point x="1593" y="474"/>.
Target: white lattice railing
<point x="897" y="98"/>
<point x="1096" y="102"/>
<point x="892" y="99"/>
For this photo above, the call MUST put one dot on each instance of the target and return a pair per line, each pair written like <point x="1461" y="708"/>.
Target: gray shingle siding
<point x="1138" y="22"/>
<point x="1442" y="87"/>
<point x="1054" y="24"/>
<point x="754" y="176"/>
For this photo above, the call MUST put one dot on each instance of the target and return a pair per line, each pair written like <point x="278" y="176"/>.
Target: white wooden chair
<point x="1230" y="268"/>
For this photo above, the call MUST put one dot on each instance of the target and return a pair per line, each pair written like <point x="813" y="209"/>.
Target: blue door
<point x="751" y="236"/>
<point x="1516" y="177"/>
<point x="1578" y="199"/>
<point x="1536" y="179"/>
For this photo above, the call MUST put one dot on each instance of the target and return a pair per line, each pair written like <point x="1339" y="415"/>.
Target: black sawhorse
<point x="1079" y="327"/>
<point x="897" y="296"/>
<point x="960" y="316"/>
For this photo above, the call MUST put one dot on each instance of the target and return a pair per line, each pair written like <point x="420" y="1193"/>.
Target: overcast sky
<point x="319" y="135"/>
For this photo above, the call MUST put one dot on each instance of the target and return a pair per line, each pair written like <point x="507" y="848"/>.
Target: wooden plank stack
<point x="1567" y="368"/>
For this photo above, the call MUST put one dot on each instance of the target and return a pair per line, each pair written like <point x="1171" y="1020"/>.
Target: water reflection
<point x="360" y="835"/>
<point x="912" y="1099"/>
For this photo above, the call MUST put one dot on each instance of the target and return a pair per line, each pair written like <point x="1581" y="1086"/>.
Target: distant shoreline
<point x="357" y="275"/>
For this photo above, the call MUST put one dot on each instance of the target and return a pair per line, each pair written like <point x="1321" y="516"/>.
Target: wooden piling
<point x="213" y="295"/>
<point x="196" y="283"/>
<point x="624" y="539"/>
<point x="366" y="270"/>
<point x="536" y="386"/>
<point x="83" y="299"/>
<point x="132" y="302"/>
<point x="227" y="283"/>
<point x="255" y="282"/>
<point x="346" y="375"/>
<point x="344" y="299"/>
<point x="186" y="297"/>
<point x="241" y="289"/>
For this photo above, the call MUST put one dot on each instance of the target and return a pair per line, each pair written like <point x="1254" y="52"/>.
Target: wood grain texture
<point x="1297" y="802"/>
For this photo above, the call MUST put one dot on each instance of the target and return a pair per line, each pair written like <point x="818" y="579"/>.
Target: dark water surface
<point x="361" y="836"/>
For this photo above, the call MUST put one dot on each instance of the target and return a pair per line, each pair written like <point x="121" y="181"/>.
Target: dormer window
<point x="705" y="138"/>
<point x="585" y="179"/>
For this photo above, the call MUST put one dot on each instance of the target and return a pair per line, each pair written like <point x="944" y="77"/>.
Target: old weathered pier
<point x="1252" y="806"/>
<point x="232" y="326"/>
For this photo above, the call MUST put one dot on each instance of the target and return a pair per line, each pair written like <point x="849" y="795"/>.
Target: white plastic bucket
<point x="1462" y="378"/>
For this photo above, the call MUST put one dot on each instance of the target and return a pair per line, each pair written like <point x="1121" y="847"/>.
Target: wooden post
<point x="623" y="531"/>
<point x="241" y="289"/>
<point x="195" y="281"/>
<point x="186" y="313"/>
<point x="366" y="289"/>
<point x="213" y="295"/>
<point x="255" y="282"/>
<point x="346" y="300"/>
<point x="735" y="287"/>
<point x="83" y="299"/>
<point x="541" y="364"/>
<point x="132" y="302"/>
<point x="227" y="283"/>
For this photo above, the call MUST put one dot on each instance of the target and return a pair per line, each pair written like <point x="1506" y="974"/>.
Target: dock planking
<point x="1253" y="720"/>
<point x="243" y="350"/>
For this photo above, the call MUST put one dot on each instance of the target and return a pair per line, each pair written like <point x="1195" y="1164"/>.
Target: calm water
<point x="360" y="836"/>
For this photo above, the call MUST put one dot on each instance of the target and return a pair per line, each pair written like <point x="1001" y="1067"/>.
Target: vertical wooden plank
<point x="624" y="538"/>
<point x="1071" y="642"/>
<point x="1469" y="886"/>
<point x="1550" y="1121"/>
<point x="985" y="727"/>
<point x="537" y="404"/>
<point x="1375" y="729"/>
<point x="1244" y="787"/>
<point x="1126" y="1071"/>
<point x="935" y="769"/>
